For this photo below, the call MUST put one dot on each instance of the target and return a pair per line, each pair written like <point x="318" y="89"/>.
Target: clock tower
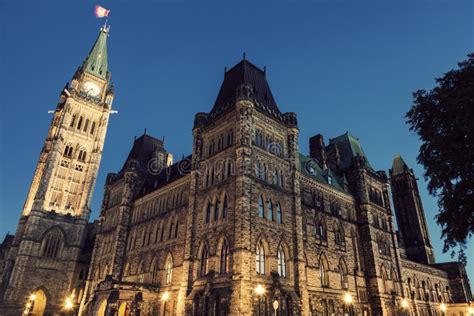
<point x="48" y="247"/>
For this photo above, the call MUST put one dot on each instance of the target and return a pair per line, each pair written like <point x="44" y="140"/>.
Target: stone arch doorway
<point x="124" y="310"/>
<point x="39" y="304"/>
<point x="102" y="308"/>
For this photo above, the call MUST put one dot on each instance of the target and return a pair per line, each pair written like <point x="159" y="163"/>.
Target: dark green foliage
<point x="444" y="120"/>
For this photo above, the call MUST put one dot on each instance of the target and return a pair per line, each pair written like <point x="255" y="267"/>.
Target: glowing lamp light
<point x="470" y="310"/>
<point x="25" y="312"/>
<point x="260" y="290"/>
<point x="404" y="303"/>
<point x="442" y="307"/>
<point x="165" y="296"/>
<point x="68" y="304"/>
<point x="348" y="298"/>
<point x="28" y="305"/>
<point x="32" y="297"/>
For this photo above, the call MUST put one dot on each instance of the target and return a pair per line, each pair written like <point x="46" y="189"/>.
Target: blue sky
<point x="340" y="66"/>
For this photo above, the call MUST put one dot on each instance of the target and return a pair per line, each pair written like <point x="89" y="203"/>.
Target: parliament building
<point x="244" y="225"/>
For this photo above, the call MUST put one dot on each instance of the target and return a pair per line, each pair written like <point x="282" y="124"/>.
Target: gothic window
<point x="279" y="214"/>
<point x="270" y="210"/>
<point x="93" y="128"/>
<point x="86" y="125"/>
<point x="168" y="270"/>
<point x="216" y="210"/>
<point x="82" y="155"/>
<point x="68" y="151"/>
<point x="52" y="243"/>
<point x="264" y="171"/>
<point x="79" y="124"/>
<point x="320" y="229"/>
<point x="281" y="262"/>
<point x="170" y="232"/>
<point x="343" y="274"/>
<point x="261" y="209"/>
<point x="260" y="259"/>
<point x="338" y="234"/>
<point x="154" y="271"/>
<point x="323" y="273"/>
<point x="208" y="211"/>
<point x="224" y="207"/>
<point x="259" y="169"/>
<point x="229" y="169"/>
<point x="204" y="261"/>
<point x="176" y="229"/>
<point x="384" y="275"/>
<point x="73" y="121"/>
<point x="224" y="267"/>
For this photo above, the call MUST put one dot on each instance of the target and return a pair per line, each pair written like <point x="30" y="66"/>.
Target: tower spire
<point x="96" y="62"/>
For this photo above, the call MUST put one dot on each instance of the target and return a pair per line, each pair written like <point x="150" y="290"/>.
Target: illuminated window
<point x="281" y="262"/>
<point x="224" y="258"/>
<point x="168" y="270"/>
<point x="260" y="259"/>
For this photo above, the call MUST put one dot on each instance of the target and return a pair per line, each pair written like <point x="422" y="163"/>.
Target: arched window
<point x="93" y="128"/>
<point x="279" y="214"/>
<point x="79" y="124"/>
<point x="224" y="207"/>
<point x="260" y="259"/>
<point x="68" y="151"/>
<point x="170" y="232"/>
<point x="320" y="229"/>
<point x="154" y="271"/>
<point x="203" y="269"/>
<point x="73" y="120"/>
<point x="384" y="276"/>
<point x="52" y="243"/>
<point x="224" y="268"/>
<point x="259" y="170"/>
<point x="208" y="211"/>
<point x="168" y="270"/>
<point x="86" y="125"/>
<point x="323" y="273"/>
<point x="338" y="234"/>
<point x="261" y="209"/>
<point x="343" y="274"/>
<point x="270" y="209"/>
<point x="216" y="210"/>
<point x="176" y="229"/>
<point x="281" y="262"/>
<point x="82" y="155"/>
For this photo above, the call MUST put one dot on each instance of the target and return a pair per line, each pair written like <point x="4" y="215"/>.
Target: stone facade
<point x="243" y="225"/>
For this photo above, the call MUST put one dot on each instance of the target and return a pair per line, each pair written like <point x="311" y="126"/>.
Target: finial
<point x="264" y="70"/>
<point x="144" y="133"/>
<point x="244" y="55"/>
<point x="225" y="70"/>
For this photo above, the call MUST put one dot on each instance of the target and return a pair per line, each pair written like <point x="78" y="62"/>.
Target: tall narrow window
<point x="208" y="211"/>
<point x="224" y="258"/>
<point x="343" y="274"/>
<point x="93" y="128"/>
<point x="170" y="232"/>
<point x="68" y="151"/>
<point x="52" y="244"/>
<point x="224" y="207"/>
<point x="154" y="272"/>
<point x="216" y="210"/>
<point x="281" y="262"/>
<point x="203" y="269"/>
<point x="86" y="125"/>
<point x="279" y="214"/>
<point x="270" y="210"/>
<point x="168" y="270"/>
<point x="73" y="121"/>
<point x="261" y="208"/>
<point x="323" y="273"/>
<point x="79" y="124"/>
<point x="82" y="155"/>
<point x="260" y="259"/>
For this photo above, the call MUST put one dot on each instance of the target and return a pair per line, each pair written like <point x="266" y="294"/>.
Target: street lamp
<point x="404" y="303"/>
<point x="443" y="307"/>
<point x="470" y="310"/>
<point x="275" y="306"/>
<point x="165" y="297"/>
<point x="347" y="302"/>
<point x="32" y="297"/>
<point x="259" y="290"/>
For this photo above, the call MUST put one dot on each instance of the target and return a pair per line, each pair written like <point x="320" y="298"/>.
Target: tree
<point x="443" y="118"/>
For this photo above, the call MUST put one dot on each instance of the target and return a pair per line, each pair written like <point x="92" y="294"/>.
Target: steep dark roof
<point x="143" y="149"/>
<point x="310" y="168"/>
<point x="399" y="165"/>
<point x="349" y="147"/>
<point x="244" y="74"/>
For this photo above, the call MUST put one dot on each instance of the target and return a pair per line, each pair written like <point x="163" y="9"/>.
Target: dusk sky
<point x="341" y="67"/>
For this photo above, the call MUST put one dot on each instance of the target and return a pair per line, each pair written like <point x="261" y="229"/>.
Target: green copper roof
<point x="96" y="61"/>
<point x="349" y="146"/>
<point x="399" y="165"/>
<point x="310" y="168"/>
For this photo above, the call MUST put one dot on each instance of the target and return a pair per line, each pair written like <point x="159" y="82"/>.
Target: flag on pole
<point x="101" y="12"/>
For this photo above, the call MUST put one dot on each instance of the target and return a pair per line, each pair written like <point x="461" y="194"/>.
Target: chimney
<point x="333" y="157"/>
<point x="317" y="151"/>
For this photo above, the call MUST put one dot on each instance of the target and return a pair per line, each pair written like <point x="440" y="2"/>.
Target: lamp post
<point x="275" y="306"/>
<point x="405" y="306"/>
<point x="348" y="300"/>
<point x="260" y="291"/>
<point x="164" y="297"/>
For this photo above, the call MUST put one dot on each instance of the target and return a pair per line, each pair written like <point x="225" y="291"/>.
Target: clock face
<point x="91" y="88"/>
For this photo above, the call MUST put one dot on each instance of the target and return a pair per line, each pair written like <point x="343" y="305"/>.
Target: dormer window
<point x="329" y="180"/>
